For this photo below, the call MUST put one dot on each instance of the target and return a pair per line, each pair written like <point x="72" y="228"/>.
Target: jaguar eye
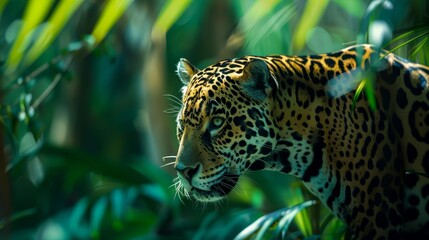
<point x="217" y="122"/>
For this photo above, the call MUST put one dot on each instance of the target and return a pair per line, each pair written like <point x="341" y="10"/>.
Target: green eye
<point x="217" y="122"/>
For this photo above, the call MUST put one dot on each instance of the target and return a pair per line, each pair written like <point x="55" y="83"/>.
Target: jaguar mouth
<point x="218" y="190"/>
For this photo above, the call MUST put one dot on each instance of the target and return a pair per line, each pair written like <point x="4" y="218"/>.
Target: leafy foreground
<point x="279" y="221"/>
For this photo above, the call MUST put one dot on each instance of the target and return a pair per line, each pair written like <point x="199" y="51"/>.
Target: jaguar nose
<point x="188" y="172"/>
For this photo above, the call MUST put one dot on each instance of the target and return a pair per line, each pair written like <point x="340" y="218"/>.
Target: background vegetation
<point x="85" y="121"/>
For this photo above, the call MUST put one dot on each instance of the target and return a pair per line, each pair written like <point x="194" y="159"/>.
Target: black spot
<point x="381" y="164"/>
<point x="239" y="120"/>
<point x="413" y="200"/>
<point x="401" y="98"/>
<point x="394" y="218"/>
<point x="377" y="199"/>
<point x="250" y="133"/>
<point x="427" y="207"/>
<point x="251" y="149"/>
<point x="426" y="161"/>
<point x="348" y="176"/>
<point x="411" y="153"/>
<point x="425" y="191"/>
<point x="363" y="113"/>
<point x="365" y="146"/>
<point x="411" y="180"/>
<point x="262" y="132"/>
<point x="266" y="149"/>
<point x="257" y="165"/>
<point x="330" y="74"/>
<point x="206" y="138"/>
<point x="283" y="155"/>
<point x="387" y="153"/>
<point x="336" y="191"/>
<point x="370" y="164"/>
<point x="254" y="113"/>
<point x="316" y="164"/>
<point x="397" y="124"/>
<point x="364" y="222"/>
<point x="381" y="220"/>
<point x="373" y="184"/>
<point x="355" y="192"/>
<point x="296" y="136"/>
<point x="348" y="196"/>
<point x="319" y="109"/>
<point x="411" y="214"/>
<point x="385" y="97"/>
<point x="416" y="90"/>
<point x="330" y="62"/>
<point x="211" y="93"/>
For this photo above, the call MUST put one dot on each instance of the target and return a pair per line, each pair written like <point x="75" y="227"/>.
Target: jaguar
<point x="301" y="115"/>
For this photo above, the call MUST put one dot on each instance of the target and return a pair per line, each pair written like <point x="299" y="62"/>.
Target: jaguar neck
<point x="303" y="132"/>
<point x="303" y="92"/>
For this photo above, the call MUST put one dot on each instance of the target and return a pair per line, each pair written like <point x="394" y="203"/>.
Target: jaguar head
<point x="224" y="126"/>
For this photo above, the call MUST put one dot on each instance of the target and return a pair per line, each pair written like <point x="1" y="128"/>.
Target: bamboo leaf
<point x="370" y="92"/>
<point x="35" y="12"/>
<point x="424" y="34"/>
<point x="171" y="11"/>
<point x="55" y="24"/>
<point x="110" y="15"/>
<point x="408" y="32"/>
<point x="357" y="93"/>
<point x="313" y="11"/>
<point x="418" y="48"/>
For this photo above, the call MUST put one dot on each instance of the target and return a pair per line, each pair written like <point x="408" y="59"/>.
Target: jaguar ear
<point x="186" y="70"/>
<point x="258" y="82"/>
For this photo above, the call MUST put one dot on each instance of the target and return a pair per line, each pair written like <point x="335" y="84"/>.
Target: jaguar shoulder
<point x="293" y="114"/>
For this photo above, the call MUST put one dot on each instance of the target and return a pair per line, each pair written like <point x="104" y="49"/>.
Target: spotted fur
<point x="293" y="114"/>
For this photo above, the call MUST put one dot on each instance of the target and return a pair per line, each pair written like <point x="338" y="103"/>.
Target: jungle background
<point x="87" y="109"/>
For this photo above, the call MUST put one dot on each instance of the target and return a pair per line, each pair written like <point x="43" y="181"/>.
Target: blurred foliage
<point x="82" y="109"/>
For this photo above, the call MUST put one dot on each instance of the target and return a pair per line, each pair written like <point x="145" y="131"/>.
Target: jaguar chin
<point x="216" y="192"/>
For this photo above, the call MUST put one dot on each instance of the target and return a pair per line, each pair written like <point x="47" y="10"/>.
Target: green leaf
<point x="60" y="16"/>
<point x="110" y="15"/>
<point x="78" y="214"/>
<point x="333" y="228"/>
<point x="35" y="12"/>
<point x="171" y="11"/>
<point x="97" y="213"/>
<point x="282" y="218"/>
<point x="424" y="34"/>
<point x="313" y="11"/>
<point x="357" y="93"/>
<point x="370" y="92"/>
<point x="118" y="203"/>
